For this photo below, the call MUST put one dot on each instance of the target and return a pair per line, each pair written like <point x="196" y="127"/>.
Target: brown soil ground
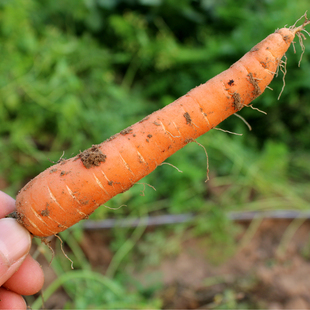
<point x="262" y="273"/>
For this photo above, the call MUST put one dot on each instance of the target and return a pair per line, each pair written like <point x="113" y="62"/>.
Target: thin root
<point x="301" y="27"/>
<point x="249" y="126"/>
<point x="293" y="27"/>
<point x="64" y="253"/>
<point x="48" y="243"/>
<point x="282" y="66"/>
<point x="206" y="157"/>
<point x="114" y="208"/>
<point x="149" y="185"/>
<point x="165" y="163"/>
<point x="298" y="31"/>
<point x="294" y="48"/>
<point x="253" y="108"/>
<point x="301" y="37"/>
<point x="271" y="72"/>
<point x="227" y="131"/>
<point x="59" y="160"/>
<point x="304" y="30"/>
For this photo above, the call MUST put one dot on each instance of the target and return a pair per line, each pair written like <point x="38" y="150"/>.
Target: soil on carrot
<point x="188" y="118"/>
<point x="92" y="157"/>
<point x="258" y="275"/>
<point x="45" y="212"/>
<point x="126" y="131"/>
<point x="237" y="101"/>
<point x="256" y="92"/>
<point x="17" y="216"/>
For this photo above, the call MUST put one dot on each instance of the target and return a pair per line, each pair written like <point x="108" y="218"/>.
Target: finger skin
<point x="24" y="276"/>
<point x="28" y="279"/>
<point x="10" y="300"/>
<point x="7" y="204"/>
<point x="7" y="271"/>
<point x="15" y="243"/>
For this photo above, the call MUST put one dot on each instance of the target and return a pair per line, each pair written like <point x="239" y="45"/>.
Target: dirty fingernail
<point x="15" y="240"/>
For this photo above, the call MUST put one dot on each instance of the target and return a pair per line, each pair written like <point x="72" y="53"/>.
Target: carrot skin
<point x="70" y="191"/>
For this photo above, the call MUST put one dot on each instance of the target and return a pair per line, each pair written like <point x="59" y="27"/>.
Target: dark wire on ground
<point x="159" y="220"/>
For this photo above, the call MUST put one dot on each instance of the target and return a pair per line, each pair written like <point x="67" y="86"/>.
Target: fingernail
<point x="15" y="240"/>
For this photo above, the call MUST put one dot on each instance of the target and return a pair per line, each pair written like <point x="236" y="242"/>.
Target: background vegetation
<point x="74" y="72"/>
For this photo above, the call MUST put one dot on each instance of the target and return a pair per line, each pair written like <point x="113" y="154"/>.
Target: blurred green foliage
<point x="74" y="72"/>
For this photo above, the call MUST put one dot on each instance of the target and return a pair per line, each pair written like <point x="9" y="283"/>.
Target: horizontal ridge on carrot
<point x="72" y="189"/>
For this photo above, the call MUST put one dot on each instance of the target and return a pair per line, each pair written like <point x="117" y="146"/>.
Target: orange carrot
<point x="69" y="191"/>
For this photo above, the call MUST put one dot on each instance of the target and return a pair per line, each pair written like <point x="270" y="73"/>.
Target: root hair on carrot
<point x="282" y="66"/>
<point x="48" y="243"/>
<point x="149" y="185"/>
<point x="63" y="251"/>
<point x="227" y="131"/>
<point x="294" y="26"/>
<point x="114" y="208"/>
<point x="294" y="48"/>
<point x="304" y="30"/>
<point x="301" y="37"/>
<point x="61" y="157"/>
<point x="256" y="109"/>
<point x="59" y="160"/>
<point x="206" y="157"/>
<point x="298" y="31"/>
<point x="243" y="119"/>
<point x="165" y="163"/>
<point x="272" y="72"/>
<point x="269" y="87"/>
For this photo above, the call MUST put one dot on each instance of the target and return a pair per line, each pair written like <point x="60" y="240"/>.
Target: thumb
<point x="15" y="243"/>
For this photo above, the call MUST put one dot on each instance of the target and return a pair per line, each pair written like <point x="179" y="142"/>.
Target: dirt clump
<point x="92" y="157"/>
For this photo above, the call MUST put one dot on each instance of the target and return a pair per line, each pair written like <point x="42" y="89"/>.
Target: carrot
<point x="71" y="190"/>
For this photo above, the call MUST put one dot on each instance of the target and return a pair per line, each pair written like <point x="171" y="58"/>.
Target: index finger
<point x="7" y="204"/>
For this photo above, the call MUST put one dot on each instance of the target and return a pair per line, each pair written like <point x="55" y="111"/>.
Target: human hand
<point x="20" y="274"/>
